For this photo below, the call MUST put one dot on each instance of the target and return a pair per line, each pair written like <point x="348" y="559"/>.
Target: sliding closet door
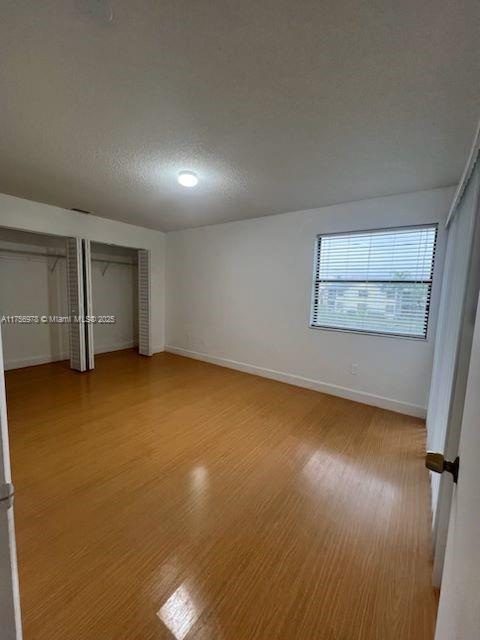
<point x="87" y="298"/>
<point x="144" y="332"/>
<point x="76" y="309"/>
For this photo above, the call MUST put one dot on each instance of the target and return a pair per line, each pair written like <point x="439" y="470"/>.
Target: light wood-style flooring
<point x="165" y="498"/>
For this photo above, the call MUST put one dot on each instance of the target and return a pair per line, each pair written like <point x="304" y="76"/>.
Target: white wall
<point x="17" y="213"/>
<point x="239" y="294"/>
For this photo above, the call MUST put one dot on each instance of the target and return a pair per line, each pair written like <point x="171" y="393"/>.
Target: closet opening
<point x="114" y="276"/>
<point x="34" y="301"/>
<point x="64" y="298"/>
<point x="116" y="299"/>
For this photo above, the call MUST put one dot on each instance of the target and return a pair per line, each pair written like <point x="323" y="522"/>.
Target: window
<point x="375" y="281"/>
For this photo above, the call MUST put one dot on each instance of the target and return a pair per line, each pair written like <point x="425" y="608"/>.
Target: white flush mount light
<point x="187" y="179"/>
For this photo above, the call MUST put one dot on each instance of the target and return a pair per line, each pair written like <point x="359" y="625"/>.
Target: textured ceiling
<point x="278" y="106"/>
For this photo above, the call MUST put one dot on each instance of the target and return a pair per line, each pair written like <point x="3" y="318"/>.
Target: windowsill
<point x="378" y="334"/>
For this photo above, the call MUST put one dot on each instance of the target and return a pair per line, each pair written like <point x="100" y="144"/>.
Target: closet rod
<point x="131" y="264"/>
<point x="32" y="253"/>
<point x="60" y="255"/>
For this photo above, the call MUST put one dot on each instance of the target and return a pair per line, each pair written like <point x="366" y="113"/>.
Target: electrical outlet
<point x="354" y="369"/>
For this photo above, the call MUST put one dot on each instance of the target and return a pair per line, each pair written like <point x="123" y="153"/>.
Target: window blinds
<point x="375" y="281"/>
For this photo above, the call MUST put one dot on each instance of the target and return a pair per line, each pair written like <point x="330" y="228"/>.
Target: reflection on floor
<point x="168" y="498"/>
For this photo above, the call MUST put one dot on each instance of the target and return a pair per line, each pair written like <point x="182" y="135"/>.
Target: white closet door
<point x="10" y="621"/>
<point x="76" y="304"/>
<point x="144" y="331"/>
<point x="87" y="283"/>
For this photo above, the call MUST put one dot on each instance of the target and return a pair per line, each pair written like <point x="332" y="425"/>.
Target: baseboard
<point x="126" y="345"/>
<point x="118" y="346"/>
<point x="31" y="361"/>
<point x="308" y="383"/>
<point x="158" y="349"/>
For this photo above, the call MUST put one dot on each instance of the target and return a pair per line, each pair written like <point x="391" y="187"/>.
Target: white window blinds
<point x="375" y="281"/>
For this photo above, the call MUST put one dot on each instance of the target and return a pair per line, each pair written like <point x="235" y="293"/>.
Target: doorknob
<point x="437" y="463"/>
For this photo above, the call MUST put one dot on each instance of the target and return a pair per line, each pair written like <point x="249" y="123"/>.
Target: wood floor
<point x="167" y="498"/>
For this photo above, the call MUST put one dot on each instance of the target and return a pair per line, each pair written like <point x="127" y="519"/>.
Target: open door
<point x="453" y="345"/>
<point x="10" y="621"/>
<point x="459" y="610"/>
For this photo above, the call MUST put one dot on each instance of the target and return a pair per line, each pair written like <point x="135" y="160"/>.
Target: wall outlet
<point x="354" y="369"/>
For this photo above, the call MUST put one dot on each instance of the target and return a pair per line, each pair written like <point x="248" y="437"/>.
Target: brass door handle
<point x="437" y="463"/>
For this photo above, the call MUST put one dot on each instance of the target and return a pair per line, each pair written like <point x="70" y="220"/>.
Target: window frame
<point x="370" y="332"/>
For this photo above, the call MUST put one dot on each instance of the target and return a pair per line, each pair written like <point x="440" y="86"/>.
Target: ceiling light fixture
<point x="187" y="179"/>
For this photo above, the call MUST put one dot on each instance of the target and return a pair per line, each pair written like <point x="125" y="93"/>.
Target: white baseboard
<point x="126" y="345"/>
<point x="31" y="361"/>
<point x="118" y="346"/>
<point x="308" y="383"/>
<point x="158" y="349"/>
